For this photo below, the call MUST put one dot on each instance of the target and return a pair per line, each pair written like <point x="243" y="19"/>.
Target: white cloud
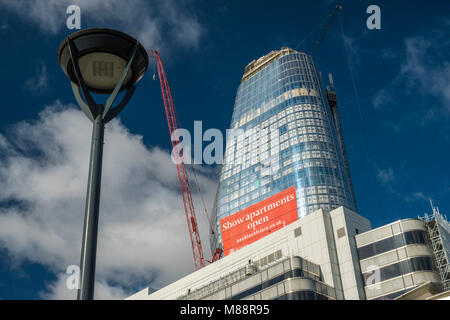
<point x="388" y="178"/>
<point x="355" y="47"/>
<point x="424" y="72"/>
<point x="416" y="196"/>
<point x="39" y="82"/>
<point x="143" y="238"/>
<point x="57" y="290"/>
<point x="381" y="98"/>
<point x="424" y="75"/>
<point x="421" y="196"/>
<point x="385" y="176"/>
<point x="154" y="23"/>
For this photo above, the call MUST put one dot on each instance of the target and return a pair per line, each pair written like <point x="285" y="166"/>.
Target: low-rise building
<point x="312" y="258"/>
<point x="395" y="258"/>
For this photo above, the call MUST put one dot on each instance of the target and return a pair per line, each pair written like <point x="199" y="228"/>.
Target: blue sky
<point x="397" y="137"/>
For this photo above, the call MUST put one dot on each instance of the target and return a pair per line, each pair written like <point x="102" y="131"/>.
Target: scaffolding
<point x="438" y="230"/>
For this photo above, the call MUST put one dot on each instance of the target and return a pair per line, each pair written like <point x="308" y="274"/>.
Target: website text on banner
<point x="258" y="220"/>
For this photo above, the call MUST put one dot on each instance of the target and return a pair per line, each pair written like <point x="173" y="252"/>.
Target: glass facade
<point x="302" y="295"/>
<point x="283" y="118"/>
<point x="391" y="243"/>
<point x="400" y="268"/>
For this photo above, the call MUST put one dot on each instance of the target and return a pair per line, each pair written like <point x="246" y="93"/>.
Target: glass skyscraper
<point x="282" y="93"/>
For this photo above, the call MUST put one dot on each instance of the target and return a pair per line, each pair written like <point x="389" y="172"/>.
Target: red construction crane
<point x="172" y="121"/>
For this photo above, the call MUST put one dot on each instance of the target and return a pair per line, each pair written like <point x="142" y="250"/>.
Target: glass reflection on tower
<point x="281" y="93"/>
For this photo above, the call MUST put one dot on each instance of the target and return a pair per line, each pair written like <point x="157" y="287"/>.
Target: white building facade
<point x="396" y="258"/>
<point x="312" y="258"/>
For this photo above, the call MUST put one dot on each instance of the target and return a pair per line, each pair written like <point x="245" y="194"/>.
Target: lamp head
<point x="102" y="57"/>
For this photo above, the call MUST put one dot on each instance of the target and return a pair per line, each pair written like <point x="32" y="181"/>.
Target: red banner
<point x="258" y="220"/>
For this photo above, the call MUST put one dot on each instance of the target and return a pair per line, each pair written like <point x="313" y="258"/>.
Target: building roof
<point x="257" y="65"/>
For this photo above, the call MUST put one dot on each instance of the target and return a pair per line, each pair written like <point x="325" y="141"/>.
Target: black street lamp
<point x="102" y="61"/>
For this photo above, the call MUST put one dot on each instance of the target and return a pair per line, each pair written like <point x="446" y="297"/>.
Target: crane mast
<point x="324" y="30"/>
<point x="173" y="123"/>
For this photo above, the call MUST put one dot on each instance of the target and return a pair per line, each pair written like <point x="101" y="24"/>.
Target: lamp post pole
<point x="107" y="54"/>
<point x="90" y="230"/>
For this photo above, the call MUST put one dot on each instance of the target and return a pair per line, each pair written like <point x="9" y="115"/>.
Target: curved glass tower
<point x="285" y="121"/>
